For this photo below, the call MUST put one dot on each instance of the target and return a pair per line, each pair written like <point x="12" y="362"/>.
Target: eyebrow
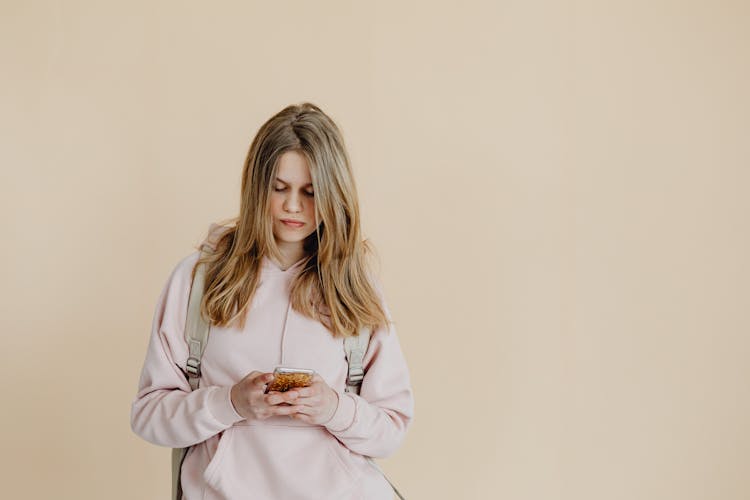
<point x="285" y="182"/>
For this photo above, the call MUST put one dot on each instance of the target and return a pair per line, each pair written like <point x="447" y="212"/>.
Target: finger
<point x="311" y="401"/>
<point x="275" y="398"/>
<point x="302" y="392"/>
<point x="262" y="379"/>
<point x="284" y="410"/>
<point x="319" y="385"/>
<point x="306" y="410"/>
<point x="302" y="418"/>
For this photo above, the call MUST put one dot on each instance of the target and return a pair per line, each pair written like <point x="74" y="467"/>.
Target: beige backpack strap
<point x="178" y="456"/>
<point x="196" y="335"/>
<point x="196" y="328"/>
<point x="355" y="348"/>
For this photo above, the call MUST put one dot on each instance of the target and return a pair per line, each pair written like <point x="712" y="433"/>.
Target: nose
<point x="293" y="203"/>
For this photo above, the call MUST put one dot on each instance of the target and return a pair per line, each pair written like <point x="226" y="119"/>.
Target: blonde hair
<point x="334" y="285"/>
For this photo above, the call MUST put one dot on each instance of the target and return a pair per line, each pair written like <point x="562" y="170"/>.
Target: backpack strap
<point x="355" y="348"/>
<point x="196" y="327"/>
<point x="196" y="334"/>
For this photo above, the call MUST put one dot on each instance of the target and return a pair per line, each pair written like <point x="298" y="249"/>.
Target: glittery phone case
<point x="289" y="378"/>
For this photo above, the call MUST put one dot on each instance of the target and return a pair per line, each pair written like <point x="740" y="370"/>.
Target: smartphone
<point x="288" y="378"/>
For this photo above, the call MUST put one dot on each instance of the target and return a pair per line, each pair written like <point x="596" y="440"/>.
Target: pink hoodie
<point x="278" y="458"/>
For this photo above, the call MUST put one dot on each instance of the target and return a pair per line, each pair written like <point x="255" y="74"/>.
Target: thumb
<point x="259" y="378"/>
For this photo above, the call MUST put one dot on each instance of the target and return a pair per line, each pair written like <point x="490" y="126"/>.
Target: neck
<point x="290" y="255"/>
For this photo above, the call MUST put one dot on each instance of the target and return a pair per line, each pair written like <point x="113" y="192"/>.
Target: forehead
<point x="293" y="168"/>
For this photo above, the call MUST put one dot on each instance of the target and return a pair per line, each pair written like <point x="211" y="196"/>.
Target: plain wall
<point x="558" y="192"/>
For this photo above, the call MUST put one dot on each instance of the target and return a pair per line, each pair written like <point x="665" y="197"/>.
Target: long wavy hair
<point x="334" y="285"/>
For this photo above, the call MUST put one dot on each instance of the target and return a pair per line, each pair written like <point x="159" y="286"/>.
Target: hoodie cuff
<point x="343" y="417"/>
<point x="221" y="407"/>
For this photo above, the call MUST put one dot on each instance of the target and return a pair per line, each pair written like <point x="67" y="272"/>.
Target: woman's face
<point x="292" y="199"/>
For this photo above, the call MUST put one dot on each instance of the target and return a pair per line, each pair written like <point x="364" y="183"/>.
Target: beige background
<point x="558" y="192"/>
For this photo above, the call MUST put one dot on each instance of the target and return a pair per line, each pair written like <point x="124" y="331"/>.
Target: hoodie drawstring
<point x="283" y="331"/>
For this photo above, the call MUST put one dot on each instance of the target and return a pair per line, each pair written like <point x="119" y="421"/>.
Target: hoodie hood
<point x="215" y="232"/>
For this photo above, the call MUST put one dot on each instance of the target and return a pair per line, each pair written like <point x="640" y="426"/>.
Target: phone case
<point x="289" y="378"/>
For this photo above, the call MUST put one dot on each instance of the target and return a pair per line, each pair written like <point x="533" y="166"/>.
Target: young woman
<point x="285" y="283"/>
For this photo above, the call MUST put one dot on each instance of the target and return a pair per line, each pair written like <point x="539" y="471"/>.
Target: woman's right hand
<point x="250" y="402"/>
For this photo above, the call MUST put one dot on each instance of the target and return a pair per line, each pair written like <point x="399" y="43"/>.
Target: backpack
<point x="196" y="333"/>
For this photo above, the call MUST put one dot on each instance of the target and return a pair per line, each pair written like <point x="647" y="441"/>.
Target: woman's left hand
<point x="315" y="404"/>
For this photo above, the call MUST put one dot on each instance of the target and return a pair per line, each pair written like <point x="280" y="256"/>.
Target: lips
<point x="292" y="222"/>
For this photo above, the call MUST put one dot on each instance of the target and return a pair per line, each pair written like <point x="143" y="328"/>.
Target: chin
<point x="285" y="237"/>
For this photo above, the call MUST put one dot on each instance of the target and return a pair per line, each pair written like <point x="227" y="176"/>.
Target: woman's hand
<point x="250" y="402"/>
<point x="314" y="404"/>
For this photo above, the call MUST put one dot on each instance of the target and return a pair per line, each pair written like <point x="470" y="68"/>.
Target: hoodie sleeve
<point x="165" y="410"/>
<point x="375" y="422"/>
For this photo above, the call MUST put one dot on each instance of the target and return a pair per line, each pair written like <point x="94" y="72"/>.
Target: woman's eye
<point x="280" y="189"/>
